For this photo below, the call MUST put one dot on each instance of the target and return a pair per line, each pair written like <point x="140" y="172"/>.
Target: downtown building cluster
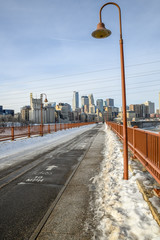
<point x="83" y="109"/>
<point x="64" y="112"/>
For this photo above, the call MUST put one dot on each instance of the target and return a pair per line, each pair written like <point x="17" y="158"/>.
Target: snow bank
<point x="119" y="208"/>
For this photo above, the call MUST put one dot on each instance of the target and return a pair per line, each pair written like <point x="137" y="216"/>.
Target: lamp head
<point x="101" y="31"/>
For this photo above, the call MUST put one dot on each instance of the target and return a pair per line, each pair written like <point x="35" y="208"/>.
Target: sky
<point x="47" y="47"/>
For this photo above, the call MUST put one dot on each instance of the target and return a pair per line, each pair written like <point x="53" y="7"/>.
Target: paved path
<point x="67" y="220"/>
<point x="29" y="190"/>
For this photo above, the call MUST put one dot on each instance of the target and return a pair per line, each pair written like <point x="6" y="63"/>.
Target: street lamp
<point x="102" y="32"/>
<point x="45" y="100"/>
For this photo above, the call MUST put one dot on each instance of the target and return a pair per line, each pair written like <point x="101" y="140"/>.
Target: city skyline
<point x="88" y="111"/>
<point x="90" y="101"/>
<point x="40" y="55"/>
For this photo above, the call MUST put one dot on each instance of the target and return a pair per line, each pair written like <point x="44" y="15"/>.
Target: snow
<point x="12" y="152"/>
<point x="120" y="212"/>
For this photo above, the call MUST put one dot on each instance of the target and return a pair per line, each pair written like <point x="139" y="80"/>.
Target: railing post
<point x="49" y="129"/>
<point x="134" y="141"/>
<point x="29" y="131"/>
<point x="147" y="145"/>
<point x="12" y="133"/>
<point x="41" y="130"/>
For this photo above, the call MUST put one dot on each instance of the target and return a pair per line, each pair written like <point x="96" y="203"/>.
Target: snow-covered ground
<point x="22" y="149"/>
<point x="120" y="211"/>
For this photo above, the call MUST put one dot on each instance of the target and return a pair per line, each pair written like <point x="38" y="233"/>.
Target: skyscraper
<point x="151" y="106"/>
<point x="99" y="104"/>
<point x="85" y="104"/>
<point x="105" y="103"/>
<point x="91" y="104"/>
<point x="75" y="101"/>
<point x="110" y="102"/>
<point x="91" y="99"/>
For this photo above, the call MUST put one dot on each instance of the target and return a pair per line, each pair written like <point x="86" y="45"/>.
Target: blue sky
<point x="46" y="47"/>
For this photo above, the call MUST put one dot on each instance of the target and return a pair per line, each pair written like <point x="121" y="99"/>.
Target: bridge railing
<point x="12" y="133"/>
<point x="145" y="146"/>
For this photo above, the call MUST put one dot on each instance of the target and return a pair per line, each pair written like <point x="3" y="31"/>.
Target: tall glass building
<point x="110" y="102"/>
<point x="99" y="104"/>
<point x="75" y="101"/>
<point x="85" y="104"/>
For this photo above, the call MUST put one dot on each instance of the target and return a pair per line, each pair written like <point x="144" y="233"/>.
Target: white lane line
<point x="51" y="167"/>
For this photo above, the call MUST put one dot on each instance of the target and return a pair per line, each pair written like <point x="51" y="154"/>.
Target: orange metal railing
<point x="12" y="133"/>
<point x="145" y="146"/>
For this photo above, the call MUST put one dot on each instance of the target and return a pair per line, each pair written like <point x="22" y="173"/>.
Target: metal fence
<point x="145" y="146"/>
<point x="12" y="133"/>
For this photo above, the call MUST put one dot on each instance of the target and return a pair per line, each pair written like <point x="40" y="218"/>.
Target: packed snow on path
<point x="19" y="150"/>
<point x="120" y="211"/>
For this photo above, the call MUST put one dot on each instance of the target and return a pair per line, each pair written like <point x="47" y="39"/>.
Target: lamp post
<point x="102" y="32"/>
<point x="42" y="111"/>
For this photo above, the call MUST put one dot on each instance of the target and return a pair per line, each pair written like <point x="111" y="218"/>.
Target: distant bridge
<point x="144" y="124"/>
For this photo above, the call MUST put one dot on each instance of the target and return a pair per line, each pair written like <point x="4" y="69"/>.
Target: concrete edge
<point x="142" y="189"/>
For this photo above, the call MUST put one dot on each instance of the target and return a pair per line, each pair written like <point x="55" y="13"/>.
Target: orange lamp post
<point x="102" y="32"/>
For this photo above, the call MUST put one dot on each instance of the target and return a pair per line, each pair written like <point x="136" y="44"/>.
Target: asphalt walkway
<point x="67" y="220"/>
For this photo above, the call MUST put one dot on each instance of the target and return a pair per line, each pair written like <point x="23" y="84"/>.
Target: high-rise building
<point x="92" y="109"/>
<point x="99" y="104"/>
<point x="105" y="103"/>
<point x="63" y="109"/>
<point x="85" y="104"/>
<point x="110" y="102"/>
<point x="91" y="99"/>
<point x="25" y="112"/>
<point x="140" y="110"/>
<point x="151" y="107"/>
<point x="75" y="101"/>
